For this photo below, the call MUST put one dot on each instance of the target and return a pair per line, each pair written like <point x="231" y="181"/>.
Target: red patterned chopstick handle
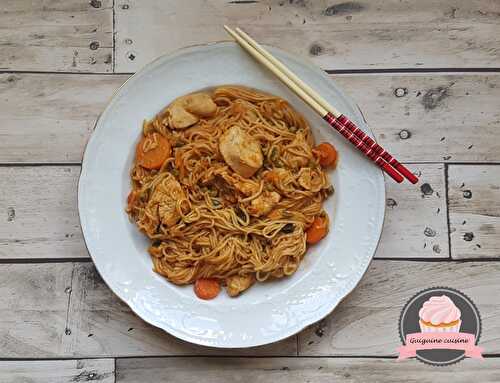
<point x="369" y="152"/>
<point x="377" y="148"/>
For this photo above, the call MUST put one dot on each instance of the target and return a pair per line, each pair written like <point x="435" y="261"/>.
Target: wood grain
<point x="39" y="205"/>
<point x="102" y="325"/>
<point x="33" y="309"/>
<point x="415" y="220"/>
<point x="57" y="371"/>
<point x="41" y="217"/>
<point x="339" y="35"/>
<point x="474" y="198"/>
<point x="36" y="321"/>
<point x="295" y="370"/>
<point x="365" y="323"/>
<point x="62" y="35"/>
<point x="48" y="118"/>
<point x="437" y="118"/>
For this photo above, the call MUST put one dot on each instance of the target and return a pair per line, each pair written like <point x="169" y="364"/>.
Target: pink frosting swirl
<point x="439" y="310"/>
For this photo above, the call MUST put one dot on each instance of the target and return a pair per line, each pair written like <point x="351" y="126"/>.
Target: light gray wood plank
<point x="33" y="309"/>
<point x="62" y="35"/>
<point x="35" y="321"/>
<point x="365" y="323"/>
<point x="295" y="370"/>
<point x="57" y="371"/>
<point x="474" y="198"/>
<point x="431" y="117"/>
<point x="340" y="35"/>
<point x="40" y="217"/>
<point x="415" y="223"/>
<point x="436" y="113"/>
<point x="49" y="117"/>
<point x="102" y="325"/>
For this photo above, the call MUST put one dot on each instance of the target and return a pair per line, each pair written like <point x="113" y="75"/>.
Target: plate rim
<point x="131" y="304"/>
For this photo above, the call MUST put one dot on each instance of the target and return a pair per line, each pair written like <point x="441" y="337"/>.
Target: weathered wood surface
<point x="365" y="323"/>
<point x="36" y="320"/>
<point x="415" y="223"/>
<point x="474" y="198"/>
<point x="102" y="325"/>
<point x="295" y="370"/>
<point x="33" y="309"/>
<point x="48" y="118"/>
<point x="41" y="216"/>
<point x="57" y="371"/>
<point x="62" y="35"/>
<point x="40" y="220"/>
<point x="431" y="117"/>
<point x="335" y="35"/>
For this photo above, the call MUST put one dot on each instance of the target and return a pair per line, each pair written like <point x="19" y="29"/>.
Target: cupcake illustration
<point x="439" y="314"/>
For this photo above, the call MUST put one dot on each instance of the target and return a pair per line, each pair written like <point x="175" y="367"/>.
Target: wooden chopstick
<point x="330" y="114"/>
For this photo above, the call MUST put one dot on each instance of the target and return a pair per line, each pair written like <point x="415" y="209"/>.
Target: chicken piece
<point x="310" y="179"/>
<point x="165" y="198"/>
<point x="241" y="151"/>
<point x="298" y="145"/>
<point x="179" y="118"/>
<point x="263" y="204"/>
<point x="187" y="110"/>
<point x="243" y="185"/>
<point x="238" y="283"/>
<point x="200" y="104"/>
<point x="282" y="179"/>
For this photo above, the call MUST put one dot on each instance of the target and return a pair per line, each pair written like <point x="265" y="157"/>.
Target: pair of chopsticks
<point x="335" y="119"/>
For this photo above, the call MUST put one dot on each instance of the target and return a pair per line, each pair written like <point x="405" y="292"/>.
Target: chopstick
<point x="344" y="120"/>
<point x="335" y="119"/>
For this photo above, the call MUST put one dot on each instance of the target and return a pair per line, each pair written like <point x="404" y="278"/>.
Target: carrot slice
<point x="327" y="154"/>
<point x="152" y="151"/>
<point x="317" y="231"/>
<point x="206" y="288"/>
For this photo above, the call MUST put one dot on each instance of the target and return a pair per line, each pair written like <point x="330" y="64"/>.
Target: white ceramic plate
<point x="267" y="312"/>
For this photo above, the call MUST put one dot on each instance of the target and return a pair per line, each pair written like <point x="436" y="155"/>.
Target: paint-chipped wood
<point x="48" y="117"/>
<point x="431" y="117"/>
<point x="415" y="223"/>
<point x="474" y="198"/>
<point x="40" y="219"/>
<point x="366" y="322"/>
<point x="299" y="370"/>
<point x="102" y="325"/>
<point x="63" y="35"/>
<point x="35" y="321"/>
<point x="60" y="111"/>
<point x="33" y="309"/>
<point x="335" y="35"/>
<point x="57" y="371"/>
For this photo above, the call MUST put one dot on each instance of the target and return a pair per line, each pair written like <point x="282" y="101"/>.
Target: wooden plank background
<point x="299" y="370"/>
<point x="433" y="120"/>
<point x="426" y="77"/>
<point x="58" y="371"/>
<point x="475" y="211"/>
<point x="363" y="34"/>
<point x="61" y="35"/>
